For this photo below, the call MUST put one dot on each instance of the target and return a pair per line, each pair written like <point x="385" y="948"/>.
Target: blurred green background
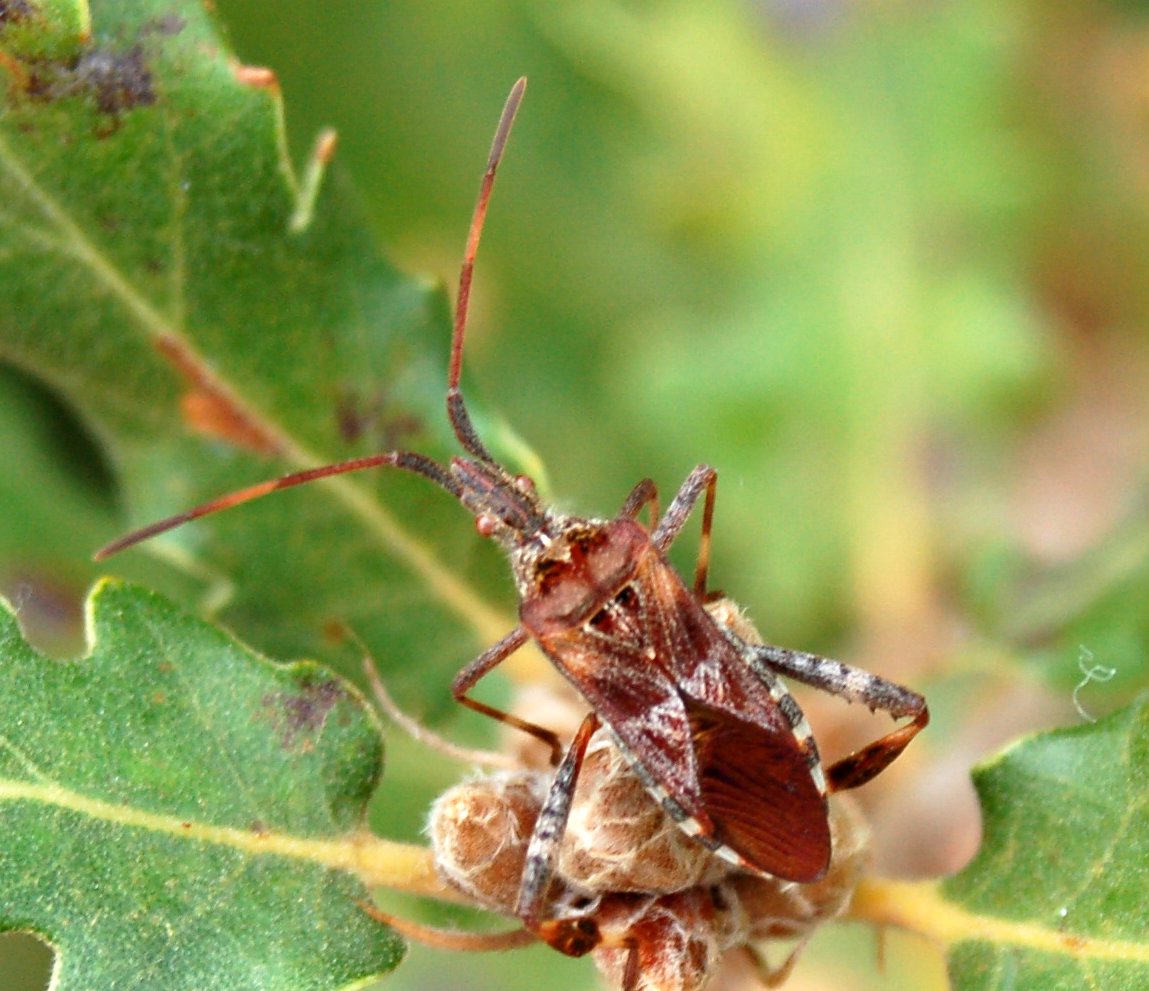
<point x="882" y="264"/>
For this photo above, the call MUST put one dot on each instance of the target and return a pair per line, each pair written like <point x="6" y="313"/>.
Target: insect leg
<point x="773" y="977"/>
<point x="701" y="479"/>
<point x="854" y="685"/>
<point x="630" y="974"/>
<point x="645" y="493"/>
<point x="543" y="851"/>
<point x="417" y="731"/>
<point x="490" y="658"/>
<point x="446" y="939"/>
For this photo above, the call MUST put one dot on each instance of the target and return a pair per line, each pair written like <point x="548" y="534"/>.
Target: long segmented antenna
<point x="456" y="406"/>
<point x="407" y="460"/>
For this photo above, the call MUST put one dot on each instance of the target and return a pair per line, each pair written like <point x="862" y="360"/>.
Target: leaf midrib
<point x="921" y="907"/>
<point x="376" y="861"/>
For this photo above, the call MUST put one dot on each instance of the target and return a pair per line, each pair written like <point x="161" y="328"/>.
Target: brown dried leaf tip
<point x="255" y="76"/>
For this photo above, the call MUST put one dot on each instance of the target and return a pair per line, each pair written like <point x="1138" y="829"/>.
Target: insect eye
<point x="486" y="525"/>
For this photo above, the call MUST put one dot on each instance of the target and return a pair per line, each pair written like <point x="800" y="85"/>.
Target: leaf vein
<point x="923" y="908"/>
<point x="28" y="763"/>
<point x="374" y="860"/>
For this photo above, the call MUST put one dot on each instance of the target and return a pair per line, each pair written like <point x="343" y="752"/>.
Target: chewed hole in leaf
<point x="27" y="962"/>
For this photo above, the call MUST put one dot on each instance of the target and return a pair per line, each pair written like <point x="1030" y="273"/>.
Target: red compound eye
<point x="486" y="525"/>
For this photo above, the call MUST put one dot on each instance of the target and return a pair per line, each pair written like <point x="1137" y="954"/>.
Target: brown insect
<point x="699" y="711"/>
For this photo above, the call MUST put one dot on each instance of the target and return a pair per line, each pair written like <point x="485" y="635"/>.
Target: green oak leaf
<point x="1055" y="899"/>
<point x="1063" y="871"/>
<point x="173" y="805"/>
<point x="216" y="319"/>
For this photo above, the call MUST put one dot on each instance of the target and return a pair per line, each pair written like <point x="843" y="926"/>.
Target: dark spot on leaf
<point x="373" y="417"/>
<point x="12" y="11"/>
<point x="119" y="81"/>
<point x="298" y="717"/>
<point x="259" y="827"/>
<point x="116" y="80"/>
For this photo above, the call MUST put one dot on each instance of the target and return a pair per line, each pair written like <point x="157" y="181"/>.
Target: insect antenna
<point x="407" y="460"/>
<point x="456" y="406"/>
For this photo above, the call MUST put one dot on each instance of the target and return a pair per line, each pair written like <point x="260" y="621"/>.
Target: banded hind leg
<point x="546" y="838"/>
<point x="854" y="685"/>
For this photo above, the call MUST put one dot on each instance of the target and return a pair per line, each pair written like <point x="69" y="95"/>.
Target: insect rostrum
<point x="700" y="712"/>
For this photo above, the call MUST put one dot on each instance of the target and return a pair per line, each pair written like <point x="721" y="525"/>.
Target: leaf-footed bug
<point x="699" y="711"/>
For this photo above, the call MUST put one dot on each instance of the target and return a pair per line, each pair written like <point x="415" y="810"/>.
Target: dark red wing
<point x="756" y="787"/>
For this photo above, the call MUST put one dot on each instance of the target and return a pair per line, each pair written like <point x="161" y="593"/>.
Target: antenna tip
<point x="510" y="108"/>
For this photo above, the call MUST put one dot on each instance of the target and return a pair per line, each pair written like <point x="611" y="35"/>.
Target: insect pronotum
<point x="701" y="713"/>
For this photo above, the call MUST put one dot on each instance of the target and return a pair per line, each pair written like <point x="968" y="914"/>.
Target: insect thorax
<point x="570" y="572"/>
